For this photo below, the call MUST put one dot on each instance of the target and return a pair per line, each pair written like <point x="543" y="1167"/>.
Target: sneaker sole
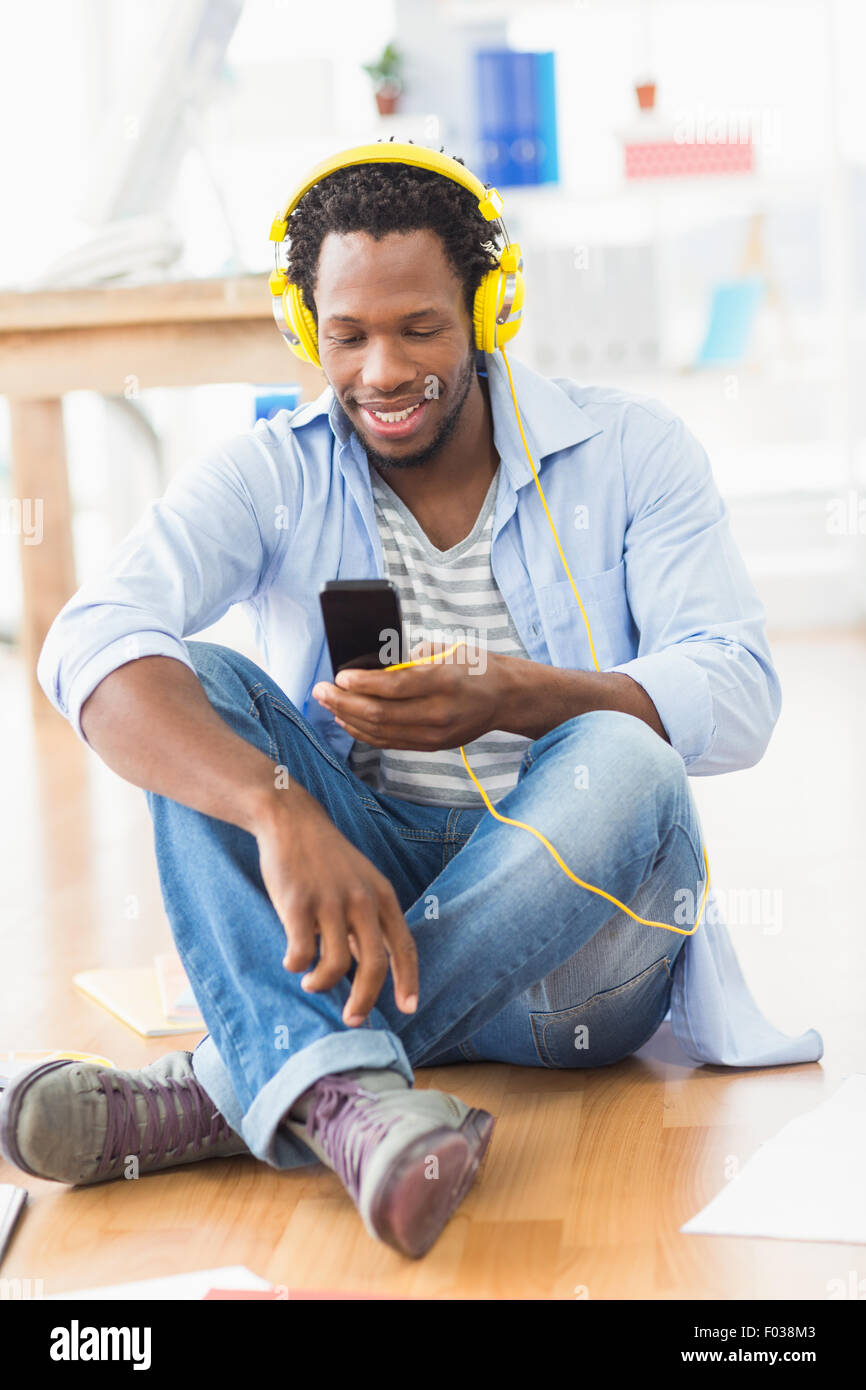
<point x="410" y="1208"/>
<point x="10" y="1108"/>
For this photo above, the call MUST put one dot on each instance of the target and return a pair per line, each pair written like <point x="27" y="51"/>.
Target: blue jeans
<point x="517" y="963"/>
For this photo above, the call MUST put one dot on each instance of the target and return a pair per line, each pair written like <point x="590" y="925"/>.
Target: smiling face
<point x="395" y="340"/>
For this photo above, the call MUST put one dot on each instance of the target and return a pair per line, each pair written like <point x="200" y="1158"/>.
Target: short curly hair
<point x="383" y="198"/>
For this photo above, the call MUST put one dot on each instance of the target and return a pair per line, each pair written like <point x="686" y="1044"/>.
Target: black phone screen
<point x="362" y="623"/>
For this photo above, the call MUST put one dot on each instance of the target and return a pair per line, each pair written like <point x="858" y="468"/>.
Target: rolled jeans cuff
<point x="260" y="1126"/>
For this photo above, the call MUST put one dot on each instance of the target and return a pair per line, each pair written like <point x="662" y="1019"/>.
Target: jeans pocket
<point x="609" y="1025"/>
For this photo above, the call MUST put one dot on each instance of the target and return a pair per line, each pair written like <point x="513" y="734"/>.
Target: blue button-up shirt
<point x="265" y="520"/>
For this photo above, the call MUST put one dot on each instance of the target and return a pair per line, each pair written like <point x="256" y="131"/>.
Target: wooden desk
<point x="117" y="341"/>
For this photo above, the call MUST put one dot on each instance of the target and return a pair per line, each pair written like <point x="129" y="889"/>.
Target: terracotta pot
<point x="646" y="96"/>
<point x="386" y="100"/>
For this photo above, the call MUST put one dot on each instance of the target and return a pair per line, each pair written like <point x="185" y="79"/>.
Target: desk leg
<point x="40" y="485"/>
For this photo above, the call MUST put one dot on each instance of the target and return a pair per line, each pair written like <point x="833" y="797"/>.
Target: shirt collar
<point x="551" y="419"/>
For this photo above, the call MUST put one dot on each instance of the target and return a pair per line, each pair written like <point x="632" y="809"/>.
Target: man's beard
<point x="461" y="388"/>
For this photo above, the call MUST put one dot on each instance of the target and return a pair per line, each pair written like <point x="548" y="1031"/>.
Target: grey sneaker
<point x="407" y="1158"/>
<point x="78" y="1122"/>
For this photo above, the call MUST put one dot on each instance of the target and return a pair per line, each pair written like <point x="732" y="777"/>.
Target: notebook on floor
<point x="133" y="995"/>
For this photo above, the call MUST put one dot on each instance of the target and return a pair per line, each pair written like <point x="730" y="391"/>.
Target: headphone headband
<point x="393" y="152"/>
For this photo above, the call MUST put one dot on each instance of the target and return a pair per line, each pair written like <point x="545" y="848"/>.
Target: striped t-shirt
<point x="443" y="594"/>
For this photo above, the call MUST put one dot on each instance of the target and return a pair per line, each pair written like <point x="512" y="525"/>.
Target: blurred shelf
<point x="791" y="372"/>
<point x="710" y="187"/>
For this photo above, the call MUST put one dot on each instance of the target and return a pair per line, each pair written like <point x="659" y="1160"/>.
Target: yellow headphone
<point x="497" y="311"/>
<point x="498" y="304"/>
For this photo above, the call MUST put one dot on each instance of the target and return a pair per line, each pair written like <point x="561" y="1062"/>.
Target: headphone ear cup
<point x="302" y="324"/>
<point x="489" y="298"/>
<point x="484" y="311"/>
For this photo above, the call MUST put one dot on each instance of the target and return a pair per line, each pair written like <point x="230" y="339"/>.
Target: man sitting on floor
<point x="345" y="906"/>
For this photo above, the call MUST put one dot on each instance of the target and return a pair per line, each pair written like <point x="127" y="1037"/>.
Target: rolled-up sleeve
<point x="210" y="541"/>
<point x="703" y="656"/>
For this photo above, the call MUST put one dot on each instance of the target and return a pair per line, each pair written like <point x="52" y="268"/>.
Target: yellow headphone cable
<point x="506" y="820"/>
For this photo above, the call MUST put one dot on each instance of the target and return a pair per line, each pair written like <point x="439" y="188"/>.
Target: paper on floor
<point x="807" y="1183"/>
<point x="175" y="1286"/>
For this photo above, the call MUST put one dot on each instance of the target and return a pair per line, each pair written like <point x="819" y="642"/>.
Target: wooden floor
<point x="589" y="1175"/>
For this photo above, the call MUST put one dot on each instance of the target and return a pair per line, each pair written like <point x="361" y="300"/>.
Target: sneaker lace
<point x="343" y="1118"/>
<point x="192" y="1120"/>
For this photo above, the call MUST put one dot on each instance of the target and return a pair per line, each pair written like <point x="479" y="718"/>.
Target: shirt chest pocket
<point x="613" y="631"/>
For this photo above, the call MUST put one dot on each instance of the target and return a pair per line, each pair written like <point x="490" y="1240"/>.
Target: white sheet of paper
<point x="806" y="1183"/>
<point x="175" y="1286"/>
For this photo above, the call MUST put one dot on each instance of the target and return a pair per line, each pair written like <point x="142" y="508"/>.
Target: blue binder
<point x="516" y="98"/>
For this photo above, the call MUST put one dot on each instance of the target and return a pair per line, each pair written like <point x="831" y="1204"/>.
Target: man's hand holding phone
<point x="439" y="704"/>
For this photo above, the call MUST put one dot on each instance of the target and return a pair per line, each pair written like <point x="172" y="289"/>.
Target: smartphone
<point x="363" y="623"/>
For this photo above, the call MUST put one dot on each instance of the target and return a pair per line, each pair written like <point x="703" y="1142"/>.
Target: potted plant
<point x="385" y="74"/>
